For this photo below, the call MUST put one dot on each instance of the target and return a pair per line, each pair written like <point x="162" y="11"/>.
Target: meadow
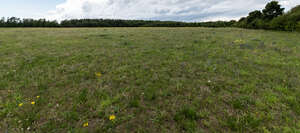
<point x="149" y="80"/>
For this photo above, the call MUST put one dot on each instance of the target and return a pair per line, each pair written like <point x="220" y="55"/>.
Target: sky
<point x="174" y="10"/>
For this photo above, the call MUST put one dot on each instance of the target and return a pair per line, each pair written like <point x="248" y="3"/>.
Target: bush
<point x="278" y="23"/>
<point x="261" y="24"/>
<point x="298" y="26"/>
<point x="290" y="26"/>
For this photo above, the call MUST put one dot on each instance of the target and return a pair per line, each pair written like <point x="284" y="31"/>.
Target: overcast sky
<point x="177" y="10"/>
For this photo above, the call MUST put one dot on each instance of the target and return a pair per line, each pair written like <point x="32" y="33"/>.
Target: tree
<point x="295" y="9"/>
<point x="260" y="24"/>
<point x="252" y="19"/>
<point x="241" y="23"/>
<point x="278" y="23"/>
<point x="2" y="22"/>
<point x="254" y="15"/>
<point x="287" y="21"/>
<point x="272" y="10"/>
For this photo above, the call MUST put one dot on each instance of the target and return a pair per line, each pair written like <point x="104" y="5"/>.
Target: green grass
<point x="152" y="80"/>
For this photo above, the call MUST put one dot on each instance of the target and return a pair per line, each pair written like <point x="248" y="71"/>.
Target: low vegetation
<point x="77" y="80"/>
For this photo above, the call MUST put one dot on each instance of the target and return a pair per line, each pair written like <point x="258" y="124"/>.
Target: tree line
<point x="17" y="22"/>
<point x="271" y="17"/>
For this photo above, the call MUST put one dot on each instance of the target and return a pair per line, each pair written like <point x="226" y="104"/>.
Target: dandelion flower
<point x="33" y="103"/>
<point x="38" y="96"/>
<point x="98" y="74"/>
<point x="85" y="124"/>
<point x="112" y="117"/>
<point x="21" y="104"/>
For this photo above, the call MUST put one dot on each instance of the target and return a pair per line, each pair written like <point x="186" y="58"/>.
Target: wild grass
<point x="149" y="80"/>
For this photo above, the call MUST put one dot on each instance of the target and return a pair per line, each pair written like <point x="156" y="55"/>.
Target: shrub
<point x="298" y="26"/>
<point x="290" y="26"/>
<point x="278" y="23"/>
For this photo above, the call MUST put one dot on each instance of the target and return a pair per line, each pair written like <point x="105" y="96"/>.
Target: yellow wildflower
<point x="112" y="117"/>
<point x="85" y="124"/>
<point x="21" y="104"/>
<point x="239" y="41"/>
<point x="38" y="96"/>
<point x="33" y="103"/>
<point x="98" y="74"/>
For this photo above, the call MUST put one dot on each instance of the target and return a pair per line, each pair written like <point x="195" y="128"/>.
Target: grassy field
<point x="149" y="80"/>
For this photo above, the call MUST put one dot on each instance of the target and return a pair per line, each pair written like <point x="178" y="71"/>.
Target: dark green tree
<point x="288" y="21"/>
<point x="254" y="15"/>
<point x="272" y="10"/>
<point x="253" y="19"/>
<point x="2" y="22"/>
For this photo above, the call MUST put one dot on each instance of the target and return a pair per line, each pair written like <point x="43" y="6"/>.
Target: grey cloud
<point x="162" y="11"/>
<point x="86" y="7"/>
<point x="178" y="10"/>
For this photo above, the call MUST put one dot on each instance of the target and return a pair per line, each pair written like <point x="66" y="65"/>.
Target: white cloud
<point x="288" y="4"/>
<point x="179" y="10"/>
